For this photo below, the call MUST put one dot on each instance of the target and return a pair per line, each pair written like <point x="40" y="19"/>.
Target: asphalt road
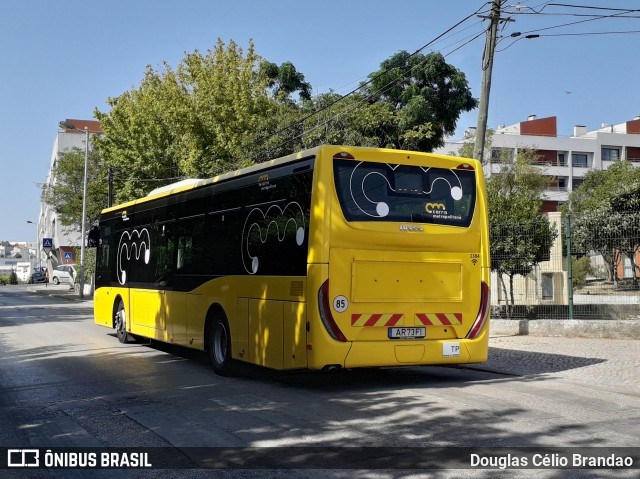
<point x="65" y="382"/>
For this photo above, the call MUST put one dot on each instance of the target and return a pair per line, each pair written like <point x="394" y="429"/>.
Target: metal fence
<point x="581" y="267"/>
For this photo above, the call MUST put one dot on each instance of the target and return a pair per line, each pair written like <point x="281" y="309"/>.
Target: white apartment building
<point x="566" y="160"/>
<point x="64" y="240"/>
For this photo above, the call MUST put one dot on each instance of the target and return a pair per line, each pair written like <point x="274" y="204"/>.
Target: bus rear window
<point x="370" y="191"/>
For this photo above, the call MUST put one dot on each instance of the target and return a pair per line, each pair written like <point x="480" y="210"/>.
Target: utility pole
<point x="110" y="183"/>
<point x="485" y="88"/>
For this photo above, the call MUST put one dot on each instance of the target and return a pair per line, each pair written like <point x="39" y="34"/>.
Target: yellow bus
<point x="334" y="257"/>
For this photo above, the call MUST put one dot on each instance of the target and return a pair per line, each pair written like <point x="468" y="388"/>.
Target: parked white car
<point x="65" y="273"/>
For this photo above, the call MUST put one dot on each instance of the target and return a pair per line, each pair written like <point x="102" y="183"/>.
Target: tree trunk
<point x="504" y="289"/>
<point x="632" y="257"/>
<point x="511" y="293"/>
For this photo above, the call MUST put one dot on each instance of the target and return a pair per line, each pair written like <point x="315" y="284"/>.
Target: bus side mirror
<point x="93" y="238"/>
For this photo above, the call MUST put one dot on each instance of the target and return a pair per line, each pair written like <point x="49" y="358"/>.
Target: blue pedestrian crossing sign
<point x="47" y="244"/>
<point x="67" y="256"/>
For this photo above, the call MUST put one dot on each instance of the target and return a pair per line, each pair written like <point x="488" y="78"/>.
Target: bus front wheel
<point x="120" y="323"/>
<point x="219" y="346"/>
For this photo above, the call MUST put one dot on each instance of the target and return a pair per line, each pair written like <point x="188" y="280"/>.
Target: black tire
<point x="219" y="346"/>
<point x="56" y="280"/>
<point x="120" y="323"/>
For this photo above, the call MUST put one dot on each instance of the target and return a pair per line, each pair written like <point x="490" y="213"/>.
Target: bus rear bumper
<point x="410" y="353"/>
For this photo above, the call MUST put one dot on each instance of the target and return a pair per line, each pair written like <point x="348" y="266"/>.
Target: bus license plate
<point x="407" y="333"/>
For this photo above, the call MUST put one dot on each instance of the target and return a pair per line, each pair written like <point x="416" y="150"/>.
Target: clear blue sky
<point x="62" y="59"/>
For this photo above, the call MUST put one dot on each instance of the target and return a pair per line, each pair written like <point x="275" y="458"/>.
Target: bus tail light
<point x="325" y="314"/>
<point x="483" y="312"/>
<point x="465" y="166"/>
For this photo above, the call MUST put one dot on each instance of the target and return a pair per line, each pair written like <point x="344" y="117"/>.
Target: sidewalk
<point x="597" y="362"/>
<point x="65" y="291"/>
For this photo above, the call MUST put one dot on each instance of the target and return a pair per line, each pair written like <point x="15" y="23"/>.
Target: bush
<point x="4" y="279"/>
<point x="580" y="269"/>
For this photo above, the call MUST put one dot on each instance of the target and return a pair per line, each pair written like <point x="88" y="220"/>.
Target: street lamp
<point x="69" y="126"/>
<point x="36" y="256"/>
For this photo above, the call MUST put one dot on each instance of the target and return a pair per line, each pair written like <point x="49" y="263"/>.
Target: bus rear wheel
<point x="219" y="346"/>
<point x="120" y="323"/>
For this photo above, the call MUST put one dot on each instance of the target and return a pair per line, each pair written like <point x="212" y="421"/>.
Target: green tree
<point x="606" y="215"/>
<point x="428" y="96"/>
<point x="594" y="231"/>
<point x="285" y="79"/>
<point x="599" y="186"/>
<point x="205" y="117"/>
<point x="520" y="234"/>
<point x="345" y="121"/>
<point x="224" y="109"/>
<point x="66" y="194"/>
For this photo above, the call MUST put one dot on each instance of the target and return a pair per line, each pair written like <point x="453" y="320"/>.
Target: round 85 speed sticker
<point x="340" y="304"/>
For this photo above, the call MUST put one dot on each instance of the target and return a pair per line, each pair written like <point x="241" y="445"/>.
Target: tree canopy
<point x="606" y="215"/>
<point x="520" y="234"/>
<point x="197" y="120"/>
<point x="226" y="108"/>
<point x="66" y="193"/>
<point x="427" y="95"/>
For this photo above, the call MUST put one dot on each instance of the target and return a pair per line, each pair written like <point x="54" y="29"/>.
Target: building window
<point x="561" y="160"/>
<point x="579" y="160"/>
<point x="501" y="154"/>
<point x="610" y="154"/>
<point x="547" y="285"/>
<point x="633" y="153"/>
<point x="576" y="182"/>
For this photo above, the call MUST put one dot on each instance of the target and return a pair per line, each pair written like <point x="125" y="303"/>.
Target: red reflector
<point x="483" y="312"/>
<point x="465" y="166"/>
<point x="326" y="316"/>
<point x="343" y="156"/>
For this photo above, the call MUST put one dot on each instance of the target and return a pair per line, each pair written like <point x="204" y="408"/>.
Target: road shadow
<point x="531" y="363"/>
<point x="503" y="364"/>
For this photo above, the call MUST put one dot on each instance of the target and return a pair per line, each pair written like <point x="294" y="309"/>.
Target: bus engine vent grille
<point x="297" y="288"/>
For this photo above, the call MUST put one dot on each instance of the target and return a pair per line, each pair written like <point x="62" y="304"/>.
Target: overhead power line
<point x="518" y="37"/>
<point x="589" y="7"/>
<point x="599" y="17"/>
<point x="587" y="33"/>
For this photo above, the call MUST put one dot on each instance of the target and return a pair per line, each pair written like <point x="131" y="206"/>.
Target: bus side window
<point x="105" y="246"/>
<point x="191" y="245"/>
<point x="163" y="254"/>
<point x="185" y="250"/>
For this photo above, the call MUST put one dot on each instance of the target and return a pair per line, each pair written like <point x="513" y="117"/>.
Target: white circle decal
<point x="456" y="193"/>
<point x="382" y="209"/>
<point x="340" y="304"/>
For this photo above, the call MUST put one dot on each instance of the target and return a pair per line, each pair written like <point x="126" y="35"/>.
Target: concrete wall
<point x="576" y="328"/>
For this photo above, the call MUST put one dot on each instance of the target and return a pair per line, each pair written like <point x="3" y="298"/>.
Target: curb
<point x="575" y="328"/>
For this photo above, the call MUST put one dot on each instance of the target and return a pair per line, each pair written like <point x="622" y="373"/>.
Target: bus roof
<point x="189" y="184"/>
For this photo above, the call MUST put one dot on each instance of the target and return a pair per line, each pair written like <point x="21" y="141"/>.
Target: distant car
<point x="65" y="273"/>
<point x="38" y="276"/>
